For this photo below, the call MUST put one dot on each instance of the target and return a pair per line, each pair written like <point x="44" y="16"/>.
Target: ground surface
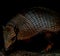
<point x="27" y="53"/>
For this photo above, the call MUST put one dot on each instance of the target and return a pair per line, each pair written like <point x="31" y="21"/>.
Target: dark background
<point x="8" y="9"/>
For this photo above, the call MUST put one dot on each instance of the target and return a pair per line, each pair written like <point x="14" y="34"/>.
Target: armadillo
<point x="30" y="23"/>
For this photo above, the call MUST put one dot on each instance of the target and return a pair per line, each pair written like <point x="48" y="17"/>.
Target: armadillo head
<point x="9" y="33"/>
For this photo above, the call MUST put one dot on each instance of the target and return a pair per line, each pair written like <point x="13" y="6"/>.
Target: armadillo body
<point x="32" y="22"/>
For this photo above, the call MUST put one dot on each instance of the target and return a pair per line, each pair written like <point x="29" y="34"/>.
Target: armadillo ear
<point x="3" y="27"/>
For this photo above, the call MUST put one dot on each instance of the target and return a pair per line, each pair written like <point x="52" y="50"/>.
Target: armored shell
<point x="31" y="22"/>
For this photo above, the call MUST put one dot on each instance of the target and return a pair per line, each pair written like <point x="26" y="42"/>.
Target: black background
<point x="8" y="9"/>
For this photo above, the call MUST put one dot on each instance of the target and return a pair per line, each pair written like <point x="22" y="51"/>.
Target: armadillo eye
<point x="8" y="28"/>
